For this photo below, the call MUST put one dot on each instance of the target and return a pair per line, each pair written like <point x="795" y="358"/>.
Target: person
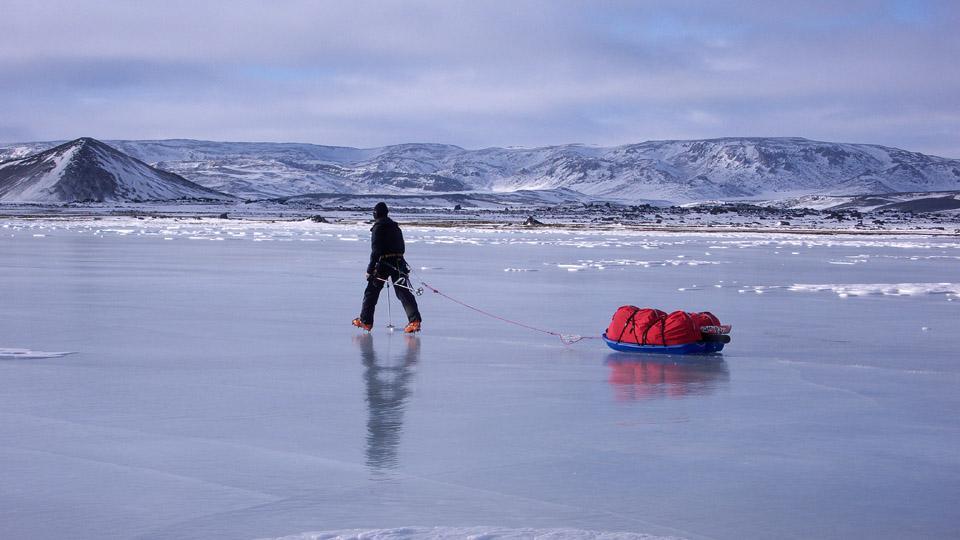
<point x="387" y="262"/>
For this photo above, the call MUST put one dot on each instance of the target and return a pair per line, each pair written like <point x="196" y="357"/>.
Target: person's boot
<point x="360" y="324"/>
<point x="412" y="327"/>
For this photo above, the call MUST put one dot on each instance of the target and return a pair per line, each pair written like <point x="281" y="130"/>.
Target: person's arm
<point x="375" y="248"/>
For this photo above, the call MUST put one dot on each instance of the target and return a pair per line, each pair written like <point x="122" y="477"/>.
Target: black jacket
<point x="386" y="239"/>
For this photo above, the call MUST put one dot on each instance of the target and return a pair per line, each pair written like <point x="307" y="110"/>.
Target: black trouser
<point x="389" y="269"/>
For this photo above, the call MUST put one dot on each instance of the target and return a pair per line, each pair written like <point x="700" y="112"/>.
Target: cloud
<point x="483" y="73"/>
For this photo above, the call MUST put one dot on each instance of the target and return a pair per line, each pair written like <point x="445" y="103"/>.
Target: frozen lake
<point x="217" y="389"/>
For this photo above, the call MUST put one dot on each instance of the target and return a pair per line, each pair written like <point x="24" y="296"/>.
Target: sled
<point x="647" y="330"/>
<point x="697" y="347"/>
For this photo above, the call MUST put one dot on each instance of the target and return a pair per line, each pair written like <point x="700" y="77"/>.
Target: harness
<point x="404" y="281"/>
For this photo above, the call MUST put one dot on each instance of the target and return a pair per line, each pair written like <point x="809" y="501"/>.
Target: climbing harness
<point x="404" y="281"/>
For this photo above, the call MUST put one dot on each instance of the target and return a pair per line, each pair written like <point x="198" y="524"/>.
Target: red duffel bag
<point x="648" y="326"/>
<point x="627" y="320"/>
<point x="705" y="318"/>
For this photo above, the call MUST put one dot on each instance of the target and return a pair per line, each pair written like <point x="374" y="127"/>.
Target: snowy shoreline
<point x="535" y="219"/>
<point x="491" y="226"/>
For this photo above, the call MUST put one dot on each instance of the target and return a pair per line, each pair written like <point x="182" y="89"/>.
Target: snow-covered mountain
<point x="88" y="170"/>
<point x="678" y="171"/>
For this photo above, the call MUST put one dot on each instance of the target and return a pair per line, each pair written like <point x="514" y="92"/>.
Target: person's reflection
<point x="387" y="381"/>
<point x="640" y="378"/>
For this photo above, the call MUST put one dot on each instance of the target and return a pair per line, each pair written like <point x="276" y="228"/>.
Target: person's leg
<point x="370" y="296"/>
<point x="409" y="301"/>
<point x="407" y="298"/>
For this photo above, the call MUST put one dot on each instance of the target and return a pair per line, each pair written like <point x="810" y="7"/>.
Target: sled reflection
<point x="387" y="379"/>
<point x="635" y="377"/>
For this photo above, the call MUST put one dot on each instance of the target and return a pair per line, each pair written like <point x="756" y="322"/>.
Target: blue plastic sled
<point x="699" y="347"/>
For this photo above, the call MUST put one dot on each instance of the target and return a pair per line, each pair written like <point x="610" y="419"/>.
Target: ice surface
<point x="218" y="391"/>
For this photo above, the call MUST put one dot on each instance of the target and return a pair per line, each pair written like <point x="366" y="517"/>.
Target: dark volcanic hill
<point x="87" y="170"/>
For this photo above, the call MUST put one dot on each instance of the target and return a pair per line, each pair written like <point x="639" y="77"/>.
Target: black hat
<point x="380" y="210"/>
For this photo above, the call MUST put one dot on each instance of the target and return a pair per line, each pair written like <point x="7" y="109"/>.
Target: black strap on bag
<point x="627" y="323"/>
<point x="662" y="319"/>
<point x="647" y="330"/>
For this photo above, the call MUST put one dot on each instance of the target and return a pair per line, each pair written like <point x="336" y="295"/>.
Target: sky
<point x="480" y="74"/>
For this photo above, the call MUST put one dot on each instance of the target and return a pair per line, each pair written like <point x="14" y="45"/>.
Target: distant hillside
<point x="936" y="201"/>
<point x="88" y="170"/>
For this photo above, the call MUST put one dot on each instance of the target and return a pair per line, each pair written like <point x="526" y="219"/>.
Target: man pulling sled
<point x="387" y="262"/>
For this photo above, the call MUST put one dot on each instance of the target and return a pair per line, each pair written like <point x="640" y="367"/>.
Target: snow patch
<point x="884" y="289"/>
<point x="843" y="290"/>
<point x="471" y="533"/>
<point x="8" y="353"/>
<point x="584" y="264"/>
<point x="45" y="184"/>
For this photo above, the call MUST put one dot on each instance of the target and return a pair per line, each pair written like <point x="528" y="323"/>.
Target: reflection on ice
<point x="387" y="380"/>
<point x="636" y="378"/>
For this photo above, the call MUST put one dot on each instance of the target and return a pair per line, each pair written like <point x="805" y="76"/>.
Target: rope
<point x="567" y="339"/>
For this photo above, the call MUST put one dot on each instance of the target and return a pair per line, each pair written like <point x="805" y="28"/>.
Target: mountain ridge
<point x="682" y="171"/>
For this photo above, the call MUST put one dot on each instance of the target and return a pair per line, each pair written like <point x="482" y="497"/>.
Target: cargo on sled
<point x="647" y="330"/>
